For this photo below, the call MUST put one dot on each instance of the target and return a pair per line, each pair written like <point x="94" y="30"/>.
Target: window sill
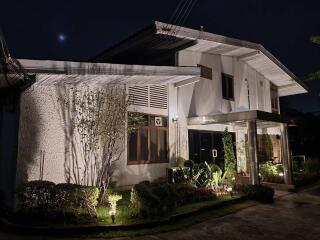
<point x="228" y="99"/>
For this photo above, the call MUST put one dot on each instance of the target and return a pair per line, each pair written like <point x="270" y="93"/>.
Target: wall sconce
<point x="175" y="119"/>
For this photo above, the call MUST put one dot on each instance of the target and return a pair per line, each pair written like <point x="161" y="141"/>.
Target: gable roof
<point x="158" y="43"/>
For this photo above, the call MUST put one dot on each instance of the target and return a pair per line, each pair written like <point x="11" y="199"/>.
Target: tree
<point x="99" y="123"/>
<point x="314" y="75"/>
<point x="229" y="158"/>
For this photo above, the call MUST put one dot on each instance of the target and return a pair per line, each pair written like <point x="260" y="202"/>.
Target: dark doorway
<point x="206" y="146"/>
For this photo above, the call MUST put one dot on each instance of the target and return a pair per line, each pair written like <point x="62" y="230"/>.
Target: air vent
<point x="154" y="96"/>
<point x="138" y="95"/>
<point x="158" y="96"/>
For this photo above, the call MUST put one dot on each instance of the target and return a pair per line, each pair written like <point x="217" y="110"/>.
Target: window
<point x="274" y="98"/>
<point x="205" y="72"/>
<point x="227" y="87"/>
<point x="148" y="142"/>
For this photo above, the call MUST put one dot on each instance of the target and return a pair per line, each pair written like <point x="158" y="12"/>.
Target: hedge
<point x="45" y="199"/>
<point x="150" y="199"/>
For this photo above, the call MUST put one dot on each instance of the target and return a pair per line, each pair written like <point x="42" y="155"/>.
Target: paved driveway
<point x="292" y="216"/>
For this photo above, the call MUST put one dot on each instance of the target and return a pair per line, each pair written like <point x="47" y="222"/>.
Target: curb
<point x="80" y="229"/>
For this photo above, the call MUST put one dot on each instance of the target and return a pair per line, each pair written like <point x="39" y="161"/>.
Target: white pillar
<point x="253" y="146"/>
<point x="285" y="154"/>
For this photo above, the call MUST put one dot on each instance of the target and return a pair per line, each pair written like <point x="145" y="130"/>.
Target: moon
<point x="61" y="37"/>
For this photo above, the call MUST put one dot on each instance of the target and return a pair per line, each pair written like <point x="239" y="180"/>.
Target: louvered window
<point x="154" y="96"/>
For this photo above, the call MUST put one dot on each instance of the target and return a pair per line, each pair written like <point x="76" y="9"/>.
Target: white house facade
<point x="213" y="83"/>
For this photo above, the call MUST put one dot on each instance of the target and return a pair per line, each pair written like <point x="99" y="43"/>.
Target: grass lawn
<point x="182" y="223"/>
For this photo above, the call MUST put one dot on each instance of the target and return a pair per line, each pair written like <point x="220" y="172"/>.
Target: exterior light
<point x="112" y="214"/>
<point x="229" y="190"/>
<point x="113" y="199"/>
<point x="175" y="119"/>
<point x="281" y="174"/>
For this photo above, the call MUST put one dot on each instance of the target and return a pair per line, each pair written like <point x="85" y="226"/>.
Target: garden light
<point x="112" y="213"/>
<point x="113" y="199"/>
<point x="281" y="174"/>
<point x="229" y="190"/>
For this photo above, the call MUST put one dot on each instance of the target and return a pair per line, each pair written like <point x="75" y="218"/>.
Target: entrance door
<point x="206" y="146"/>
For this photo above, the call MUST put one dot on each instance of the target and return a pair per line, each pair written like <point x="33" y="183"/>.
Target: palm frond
<point x="315" y="39"/>
<point x="312" y="76"/>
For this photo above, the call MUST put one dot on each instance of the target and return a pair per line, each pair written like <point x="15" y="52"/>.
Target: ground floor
<point x="291" y="216"/>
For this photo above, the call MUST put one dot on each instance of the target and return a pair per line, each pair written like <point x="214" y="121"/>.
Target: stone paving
<point x="292" y="216"/>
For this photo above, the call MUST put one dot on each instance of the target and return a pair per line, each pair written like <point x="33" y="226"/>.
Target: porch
<point x="248" y="125"/>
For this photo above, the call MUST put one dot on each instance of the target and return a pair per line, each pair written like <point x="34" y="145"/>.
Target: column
<point x="285" y="154"/>
<point x="252" y="145"/>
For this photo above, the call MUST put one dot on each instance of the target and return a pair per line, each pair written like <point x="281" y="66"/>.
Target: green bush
<point x="312" y="166"/>
<point x="37" y="195"/>
<point x="45" y="199"/>
<point x="73" y="198"/>
<point x="147" y="202"/>
<point x="157" y="198"/>
<point x="268" y="169"/>
<point x="230" y="171"/>
<point x="259" y="193"/>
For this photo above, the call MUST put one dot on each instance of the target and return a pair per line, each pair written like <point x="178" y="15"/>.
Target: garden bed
<point x="177" y="214"/>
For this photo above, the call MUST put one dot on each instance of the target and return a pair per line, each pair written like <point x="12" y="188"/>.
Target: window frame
<point x="204" y="70"/>
<point x="228" y="77"/>
<point x="138" y="139"/>
<point x="274" y="93"/>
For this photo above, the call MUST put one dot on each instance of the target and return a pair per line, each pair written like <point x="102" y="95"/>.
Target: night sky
<point x="78" y="30"/>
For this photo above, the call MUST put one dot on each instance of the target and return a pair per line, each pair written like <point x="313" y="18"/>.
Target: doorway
<point x="206" y="146"/>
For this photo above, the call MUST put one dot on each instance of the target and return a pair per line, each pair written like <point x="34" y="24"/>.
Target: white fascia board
<point x="83" y="68"/>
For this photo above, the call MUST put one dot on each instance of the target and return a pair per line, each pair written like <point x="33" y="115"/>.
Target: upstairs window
<point x="227" y="87"/>
<point x="274" y="98"/>
<point x="148" y="142"/>
<point x="205" y="72"/>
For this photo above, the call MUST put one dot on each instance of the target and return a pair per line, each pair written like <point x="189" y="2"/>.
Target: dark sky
<point x="32" y="28"/>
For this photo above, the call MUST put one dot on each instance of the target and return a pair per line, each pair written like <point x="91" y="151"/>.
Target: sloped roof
<point x="157" y="44"/>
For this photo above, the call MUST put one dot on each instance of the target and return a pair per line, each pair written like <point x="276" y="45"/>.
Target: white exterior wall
<point x="207" y="94"/>
<point x="43" y="128"/>
<point x="205" y="97"/>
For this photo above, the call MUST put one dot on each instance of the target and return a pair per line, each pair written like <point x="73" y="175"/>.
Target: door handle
<point x="214" y="153"/>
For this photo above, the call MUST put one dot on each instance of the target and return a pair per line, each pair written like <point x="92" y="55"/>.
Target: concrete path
<point x="292" y="216"/>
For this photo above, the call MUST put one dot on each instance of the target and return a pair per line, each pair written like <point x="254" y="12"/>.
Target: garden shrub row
<point x="44" y="199"/>
<point x="149" y="199"/>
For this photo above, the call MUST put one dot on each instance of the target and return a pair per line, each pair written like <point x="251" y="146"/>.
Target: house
<point x="189" y="85"/>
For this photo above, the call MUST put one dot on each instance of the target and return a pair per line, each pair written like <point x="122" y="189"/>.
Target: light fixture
<point x="229" y="190"/>
<point x="112" y="214"/>
<point x="175" y="119"/>
<point x="281" y="174"/>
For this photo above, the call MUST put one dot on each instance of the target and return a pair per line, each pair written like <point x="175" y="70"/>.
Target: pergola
<point x="253" y="120"/>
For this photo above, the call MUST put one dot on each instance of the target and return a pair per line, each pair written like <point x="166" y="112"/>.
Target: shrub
<point x="229" y="158"/>
<point x="259" y="193"/>
<point x="312" y="166"/>
<point x="113" y="199"/>
<point x="45" y="199"/>
<point x="37" y="195"/>
<point x="73" y="197"/>
<point x="268" y="169"/>
<point x="147" y="202"/>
